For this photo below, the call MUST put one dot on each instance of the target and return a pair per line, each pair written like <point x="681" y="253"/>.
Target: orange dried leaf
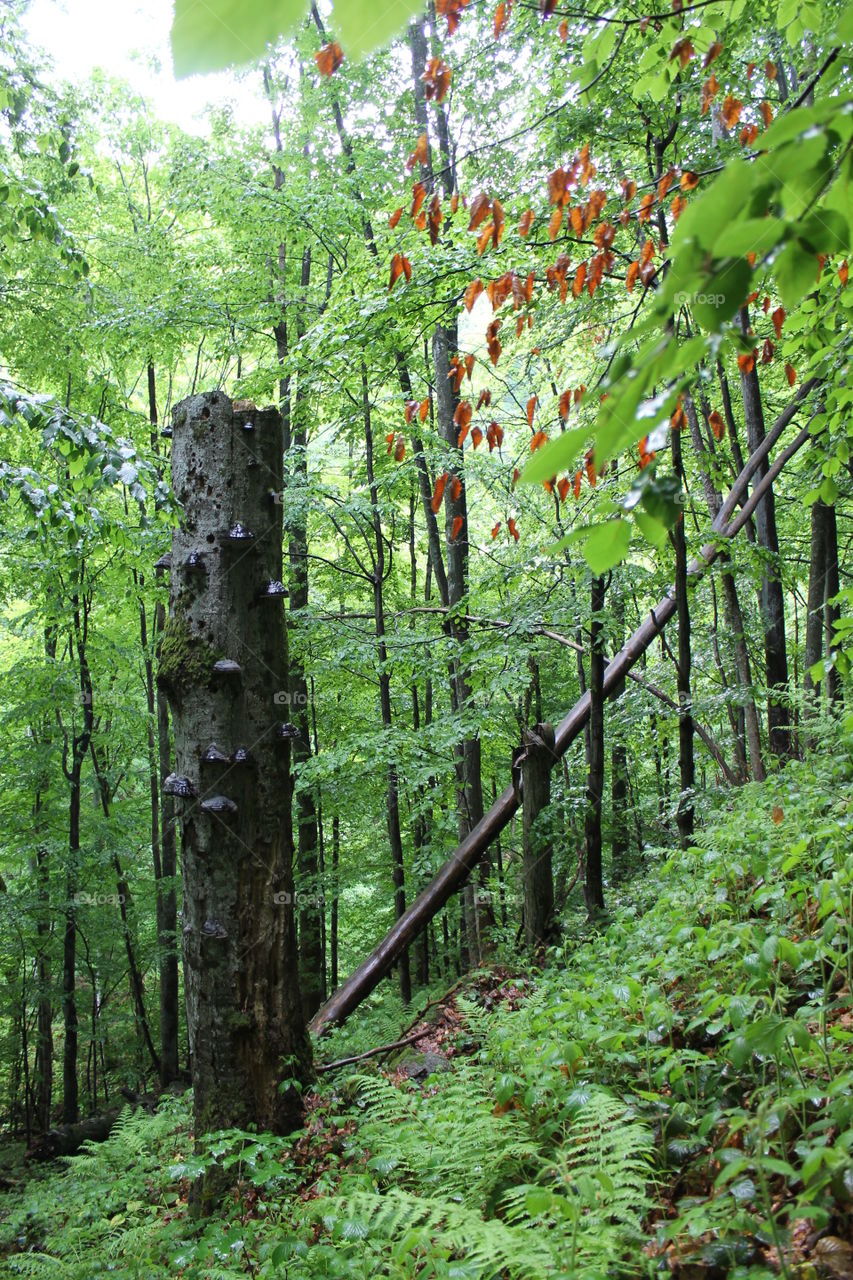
<point x="456" y="528"/>
<point x="511" y="525"/>
<point x="485" y="236"/>
<point x="395" y="218"/>
<point x="631" y="277"/>
<point x="420" y="155"/>
<point x="418" y="196"/>
<point x="843" y="272"/>
<point x="665" y="184"/>
<point x="766" y="114"/>
<point x="713" y="53"/>
<point x="476" y="437"/>
<point x="455" y="489"/>
<point x="531" y="407"/>
<point x="717" y="425"/>
<point x="731" y="110"/>
<point x="463" y="413"/>
<point x="526" y="223"/>
<point x="555" y="221"/>
<point x="438" y="492"/>
<point x="500" y="20"/>
<point x="689" y="180"/>
<point x="778" y="319"/>
<point x="495" y="530"/>
<point x="472" y="293"/>
<point x="329" y="58"/>
<point x="683" y="50"/>
<point x="563" y="488"/>
<point x="400" y="449"/>
<point x="790" y="374"/>
<point x="480" y="206"/>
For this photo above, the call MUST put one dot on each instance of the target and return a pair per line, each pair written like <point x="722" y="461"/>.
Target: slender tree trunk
<point x="618" y="770"/>
<point x="686" y="763"/>
<point x="392" y="793"/>
<point x="594" y="881"/>
<point x="163" y="838"/>
<point x="772" y="599"/>
<point x="816" y="610"/>
<point x="731" y="599"/>
<point x="832" y="611"/>
<point x="333" y="922"/>
<point x="537" y="870"/>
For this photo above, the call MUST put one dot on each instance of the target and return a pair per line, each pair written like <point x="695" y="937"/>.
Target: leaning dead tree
<point x="456" y="870"/>
<point x="223" y="660"/>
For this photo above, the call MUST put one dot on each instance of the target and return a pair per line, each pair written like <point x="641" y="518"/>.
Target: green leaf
<point x="722" y="294"/>
<point x="845" y="24"/>
<point x="606" y="545"/>
<point x="216" y="34"/>
<point x="651" y="529"/>
<point x="752" y="235"/>
<point x="558" y="455"/>
<point x="221" y="33"/>
<point x="796" y="273"/>
<point x="363" y="25"/>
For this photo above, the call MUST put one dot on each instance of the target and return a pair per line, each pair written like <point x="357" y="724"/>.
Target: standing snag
<point x="224" y="656"/>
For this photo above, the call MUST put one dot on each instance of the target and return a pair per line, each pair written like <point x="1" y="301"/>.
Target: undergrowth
<point x="673" y="1095"/>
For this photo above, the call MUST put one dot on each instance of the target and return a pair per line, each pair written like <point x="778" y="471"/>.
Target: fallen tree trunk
<point x="67" y="1139"/>
<point x="456" y="870"/>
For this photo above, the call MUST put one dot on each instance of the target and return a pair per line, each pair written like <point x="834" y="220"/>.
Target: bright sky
<point x="129" y="39"/>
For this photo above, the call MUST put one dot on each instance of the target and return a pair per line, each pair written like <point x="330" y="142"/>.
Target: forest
<point x="426" y="638"/>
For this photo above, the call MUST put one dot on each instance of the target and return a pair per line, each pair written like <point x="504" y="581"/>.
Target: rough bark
<point x="223" y="658"/>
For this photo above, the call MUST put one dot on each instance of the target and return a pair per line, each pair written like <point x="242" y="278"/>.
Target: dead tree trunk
<point x="223" y="659"/>
<point x="537" y="870"/>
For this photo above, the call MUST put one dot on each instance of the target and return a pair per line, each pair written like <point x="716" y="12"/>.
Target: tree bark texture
<point x="223" y="658"/>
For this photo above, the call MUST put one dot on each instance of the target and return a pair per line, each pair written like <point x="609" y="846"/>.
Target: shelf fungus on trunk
<point x="223" y="662"/>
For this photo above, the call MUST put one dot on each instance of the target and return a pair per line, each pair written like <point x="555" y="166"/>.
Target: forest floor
<point x="671" y="1094"/>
